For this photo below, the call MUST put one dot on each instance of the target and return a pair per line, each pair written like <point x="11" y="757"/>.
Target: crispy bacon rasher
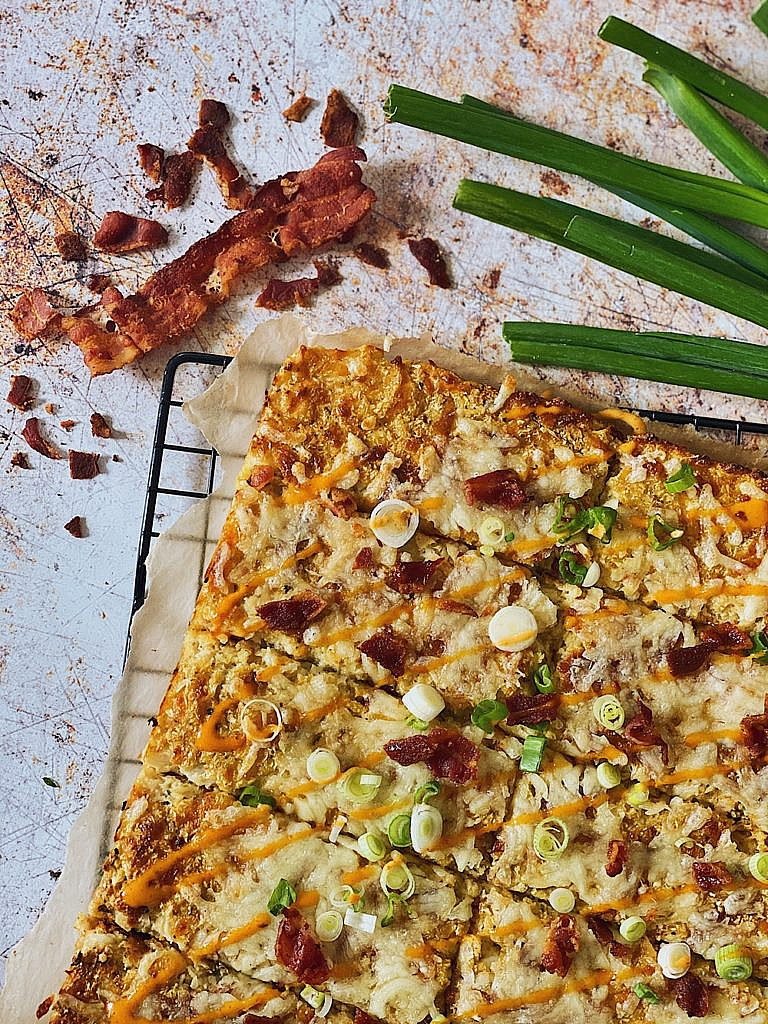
<point x="560" y="946"/>
<point x="711" y="876"/>
<point x="296" y="213"/>
<point x="294" y="614"/>
<point x="501" y="488"/>
<point x="122" y="232"/>
<point x="754" y="736"/>
<point x="208" y="145"/>
<point x="297" y="949"/>
<point x="532" y="708"/>
<point x="21" y="392"/>
<point x="33" y="315"/>
<point x="387" y="650"/>
<point x="413" y="577"/>
<point x="299" y="292"/>
<point x="447" y="753"/>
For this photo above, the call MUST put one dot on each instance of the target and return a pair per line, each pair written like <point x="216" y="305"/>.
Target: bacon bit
<point x="71" y="246"/>
<point x="638" y="733"/>
<point x="99" y="283"/>
<point x="294" y="614"/>
<point x="691" y="995"/>
<point x="361" y="1017"/>
<point x="711" y="877"/>
<point x="372" y="255"/>
<point x="561" y="945"/>
<point x="532" y="708"/>
<point x="300" y="211"/>
<point x="412" y="577"/>
<point x="36" y="441"/>
<point x="83" y="465"/>
<point x="99" y="426"/>
<point x="446" y="604"/>
<point x="208" y="144"/>
<point x="339" y="125"/>
<point x="75" y="526"/>
<point x="687" y="661"/>
<point x="44" y="1007"/>
<point x="151" y="159"/>
<point x="297" y="949"/>
<point x="68" y="425"/>
<point x="178" y="171"/>
<point x="21" y="392"/>
<point x="387" y="650"/>
<point x="363" y="559"/>
<point x="50" y="408"/>
<point x="19" y="461"/>
<point x="285" y="294"/>
<point x="502" y="488"/>
<point x="33" y="316"/>
<point x="618" y="854"/>
<point x="727" y="638"/>
<point x="341" y="503"/>
<point x="433" y="647"/>
<point x="447" y="754"/>
<point x="261" y="476"/>
<point x="122" y="232"/>
<point x="298" y="109"/>
<point x="429" y="256"/>
<point x="754" y="736"/>
<point x="213" y="112"/>
<point x="600" y="930"/>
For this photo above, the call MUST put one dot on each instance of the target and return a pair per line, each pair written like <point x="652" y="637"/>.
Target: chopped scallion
<point x="571" y="569"/>
<point x="608" y="775"/>
<point x="542" y="679"/>
<point x="394" y="900"/>
<point x="361" y="786"/>
<point x="253" y="796"/>
<point x="396" y="877"/>
<point x="371" y="846"/>
<point x="758" y="866"/>
<point x="661" y="534"/>
<point x="609" y="712"/>
<point x="759" y="650"/>
<point x="283" y="895"/>
<point x="550" y="839"/>
<point x="760" y="17"/>
<point x="732" y="963"/>
<point x="488" y="714"/>
<point x="399" y="830"/>
<point x="426" y="827"/>
<point x="682" y="480"/>
<point x="533" y="753"/>
<point x="643" y="991"/>
<point x="417" y="724"/>
<point x="426" y="792"/>
<point x="632" y="929"/>
<point x="329" y="925"/>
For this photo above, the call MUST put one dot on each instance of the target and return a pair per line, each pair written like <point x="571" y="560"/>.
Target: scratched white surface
<point x="81" y="83"/>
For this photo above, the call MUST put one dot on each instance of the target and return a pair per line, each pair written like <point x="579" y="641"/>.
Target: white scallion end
<point x="329" y="925"/>
<point x="562" y="900"/>
<point x="426" y="827"/>
<point x="424" y="702"/>
<point x="592" y="575"/>
<point x="394" y="522"/>
<point x="336" y="829"/>
<point x="674" y="959"/>
<point x="513" y="628"/>
<point x="323" y="766"/>
<point x="363" y="922"/>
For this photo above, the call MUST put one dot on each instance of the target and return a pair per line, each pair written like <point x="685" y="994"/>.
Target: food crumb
<point x="99" y="426"/>
<point x="372" y="255"/>
<point x="429" y="256"/>
<point x="298" y="109"/>
<point x="491" y="278"/>
<point x="20" y="394"/>
<point x="75" y="526"/>
<point x="339" y="125"/>
<point x="83" y="465"/>
<point x="68" y="425"/>
<point x="71" y="246"/>
<point x="19" y="461"/>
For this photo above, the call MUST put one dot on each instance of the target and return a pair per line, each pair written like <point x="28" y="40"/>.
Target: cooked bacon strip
<point x="294" y="614"/>
<point x="213" y="112"/>
<point x="532" y="708"/>
<point x="413" y="577"/>
<point x="36" y="441"/>
<point x="447" y="754"/>
<point x="501" y="488"/>
<point x="285" y="294"/>
<point x="691" y="995"/>
<point x="727" y="638"/>
<point x="298" y="109"/>
<point x="261" y="476"/>
<point x="361" y="1017"/>
<point x="71" y="246"/>
<point x="600" y="930"/>
<point x="618" y="854"/>
<point x="429" y="256"/>
<point x="372" y="255"/>
<point x="560" y="946"/>
<point x="639" y="733"/>
<point x="754" y="736"/>
<point x="711" y="876"/>
<point x="151" y="159"/>
<point x="75" y="526"/>
<point x="176" y="178"/>
<point x="83" y="465"/>
<point x="297" y="949"/>
<point x="122" y="232"/>
<point x="447" y="604"/>
<point x="292" y="214"/>
<point x="33" y="316"/>
<point x="20" y="392"/>
<point x="99" y="283"/>
<point x="99" y="426"/>
<point x="363" y="559"/>
<point x="387" y="650"/>
<point x="687" y="661"/>
<point x="339" y="125"/>
<point x="208" y="144"/>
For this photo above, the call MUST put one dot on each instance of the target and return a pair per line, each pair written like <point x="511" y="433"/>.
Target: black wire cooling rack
<point x="204" y="457"/>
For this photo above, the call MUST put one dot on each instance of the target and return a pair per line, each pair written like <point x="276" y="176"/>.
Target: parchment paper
<point x="226" y="414"/>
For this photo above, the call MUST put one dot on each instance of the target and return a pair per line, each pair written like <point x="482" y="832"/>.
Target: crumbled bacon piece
<point x="413" y="577"/>
<point x="299" y="292"/>
<point x="297" y="949"/>
<point x="213" y="112"/>
<point x="429" y="256"/>
<point x="20" y="392"/>
<point x="600" y="930"/>
<point x="560" y="946"/>
<point x="178" y="171"/>
<point x="727" y="638"/>
<point x="33" y="316"/>
<point x="292" y="214"/>
<point x="19" y="461"/>
<point x="361" y="1017"/>
<point x="372" y="255"/>
<point x="363" y="559"/>
<point x="501" y="488"/>
<point x="99" y="283"/>
<point x="691" y="995"/>
<point x="261" y="476"/>
<point x="298" y="109"/>
<point x="618" y="853"/>
<point x="151" y="159"/>
<point x="711" y="876"/>
<point x="36" y="441"/>
<point x="71" y="246"/>
<point x="122" y="232"/>
<point x="532" y="708"/>
<point x="754" y="736"/>
<point x="447" y="604"/>
<point x="447" y="753"/>
<point x="75" y="526"/>
<point x="339" y="125"/>
<point x="687" y="661"/>
<point x="294" y="614"/>
<point x="387" y="650"/>
<point x="208" y="144"/>
<point x="83" y="465"/>
<point x="99" y="426"/>
<point x="68" y="425"/>
<point x="639" y="733"/>
<point x="341" y="503"/>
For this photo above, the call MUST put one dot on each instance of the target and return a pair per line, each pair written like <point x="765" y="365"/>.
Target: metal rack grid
<point x="161" y="446"/>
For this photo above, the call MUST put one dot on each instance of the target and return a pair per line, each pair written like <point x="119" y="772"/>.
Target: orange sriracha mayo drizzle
<point x="371" y="813"/>
<point x="311" y="787"/>
<point x="359" y="874"/>
<point x="208" y="737"/>
<point x="124" y="1011"/>
<point x="752" y="513"/>
<point x="317" y="484"/>
<point x="232" y="936"/>
<point x="693" y="739"/>
<point x="545" y="995"/>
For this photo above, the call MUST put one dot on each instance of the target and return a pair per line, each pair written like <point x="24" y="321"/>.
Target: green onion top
<point x="399" y="830"/>
<point x="394" y="900"/>
<point x="283" y="895"/>
<point x="732" y="963"/>
<point x="661" y="534"/>
<point x="488" y="714"/>
<point x="550" y="839"/>
<point x="759" y="650"/>
<point x="643" y="991"/>
<point x="533" y="753"/>
<point x="682" y="480"/>
<point x="253" y="796"/>
<point x="542" y="679"/>
<point x="571" y="569"/>
<point x="426" y="792"/>
<point x="418" y="724"/>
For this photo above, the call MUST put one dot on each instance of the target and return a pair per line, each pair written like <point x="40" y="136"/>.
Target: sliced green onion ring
<point x="342" y="897"/>
<point x="399" y="830"/>
<point x="609" y="712"/>
<point x="569" y="520"/>
<point x="643" y="991"/>
<point x="426" y="827"/>
<point x="550" y="839"/>
<point x="542" y="679"/>
<point x="320" y="1002"/>
<point x="632" y="929"/>
<point x="329" y="925"/>
<point x="571" y="569"/>
<point x="283" y="896"/>
<point x="637" y="795"/>
<point x="608" y="775"/>
<point x="759" y="650"/>
<point x="682" y="480"/>
<point x="533" y="753"/>
<point x="323" y="766"/>
<point x="426" y="792"/>
<point x="732" y="963"/>
<point x="488" y="713"/>
<point x="418" y="724"/>
<point x="562" y="900"/>
<point x="602" y="520"/>
<point x="371" y="846"/>
<point x="758" y="866"/>
<point x="491" y="531"/>
<point x="254" y="796"/>
<point x="361" y="786"/>
<point x="661" y="534"/>
<point x="396" y="877"/>
<point x="394" y="900"/>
